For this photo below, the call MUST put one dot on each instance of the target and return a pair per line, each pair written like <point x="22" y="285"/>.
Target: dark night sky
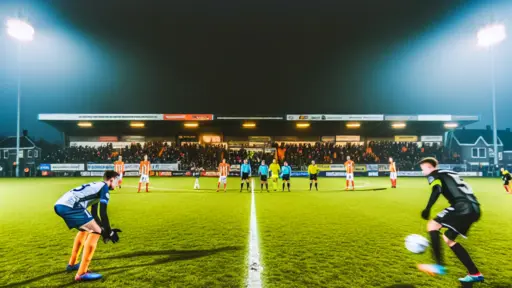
<point x="253" y="57"/>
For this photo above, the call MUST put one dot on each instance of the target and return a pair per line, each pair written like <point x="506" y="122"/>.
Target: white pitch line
<point x="254" y="277"/>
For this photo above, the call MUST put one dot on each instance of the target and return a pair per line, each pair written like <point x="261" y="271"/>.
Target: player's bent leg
<point x="83" y="273"/>
<point x="462" y="254"/>
<point x="74" y="263"/>
<point x="438" y="268"/>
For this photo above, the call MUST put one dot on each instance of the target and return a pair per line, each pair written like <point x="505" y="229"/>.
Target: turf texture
<point x="178" y="237"/>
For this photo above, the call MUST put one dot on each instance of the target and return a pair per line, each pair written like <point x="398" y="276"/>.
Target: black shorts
<point x="458" y="219"/>
<point x="286" y="177"/>
<point x="263" y="178"/>
<point x="245" y="176"/>
<point x="506" y="183"/>
<point x="313" y="177"/>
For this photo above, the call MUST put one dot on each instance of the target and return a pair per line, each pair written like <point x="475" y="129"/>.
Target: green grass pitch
<point x="178" y="237"/>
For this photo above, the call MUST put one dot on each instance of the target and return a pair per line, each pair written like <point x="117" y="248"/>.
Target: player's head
<point x="120" y="158"/>
<point x="502" y="169"/>
<point x="110" y="177"/>
<point x="428" y="165"/>
<point x="285" y="163"/>
<point x="390" y="160"/>
<point x="312" y="162"/>
<point x="224" y="161"/>
<point x="348" y="158"/>
<point x="274" y="161"/>
<point x="262" y="162"/>
<point x="145" y="157"/>
<point x="245" y="161"/>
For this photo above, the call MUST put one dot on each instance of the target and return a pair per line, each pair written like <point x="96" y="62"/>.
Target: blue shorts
<point x="74" y="218"/>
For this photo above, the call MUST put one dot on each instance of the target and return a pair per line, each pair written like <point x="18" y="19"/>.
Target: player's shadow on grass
<point x="172" y="256"/>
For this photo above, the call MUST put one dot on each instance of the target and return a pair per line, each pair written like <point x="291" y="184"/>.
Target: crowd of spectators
<point x="405" y="154"/>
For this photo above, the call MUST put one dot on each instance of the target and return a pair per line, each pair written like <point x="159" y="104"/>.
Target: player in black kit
<point x="464" y="210"/>
<point x="505" y="176"/>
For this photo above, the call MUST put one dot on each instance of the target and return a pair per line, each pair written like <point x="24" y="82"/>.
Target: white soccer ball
<point x="416" y="243"/>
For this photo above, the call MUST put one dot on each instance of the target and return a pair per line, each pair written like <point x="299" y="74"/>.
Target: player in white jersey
<point x="72" y="207"/>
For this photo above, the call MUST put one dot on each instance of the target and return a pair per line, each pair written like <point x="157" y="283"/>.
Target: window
<point x="29" y="154"/>
<point x="36" y="154"/>
<point x="478" y="153"/>
<point x="6" y="154"/>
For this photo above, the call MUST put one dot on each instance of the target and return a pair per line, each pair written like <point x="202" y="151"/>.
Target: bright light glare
<point x="302" y="125"/>
<point x="20" y="30"/>
<point x="84" y="124"/>
<point x="353" y="125"/>
<point x="398" y="125"/>
<point x="249" y="125"/>
<point x="191" y="125"/>
<point x="451" y="125"/>
<point x="491" y="35"/>
<point x="137" y="124"/>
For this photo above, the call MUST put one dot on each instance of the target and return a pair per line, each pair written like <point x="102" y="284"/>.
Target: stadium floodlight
<point x="398" y="125"/>
<point x="489" y="36"/>
<point x="353" y="125"/>
<point x="249" y="125"/>
<point x="303" y="125"/>
<point x="191" y="125"/>
<point x="451" y="125"/>
<point x="20" y="29"/>
<point x="137" y="124"/>
<point x="84" y="124"/>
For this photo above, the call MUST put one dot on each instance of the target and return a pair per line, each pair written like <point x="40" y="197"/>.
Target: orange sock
<point x="139" y="187"/>
<point x="507" y="188"/>
<point x="89" y="248"/>
<point x="77" y="247"/>
<point x="147" y="187"/>
<point x="346" y="185"/>
<point x="394" y="182"/>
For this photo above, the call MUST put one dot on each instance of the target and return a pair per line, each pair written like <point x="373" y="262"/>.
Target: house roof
<point x="506" y="138"/>
<point x="10" y="143"/>
<point x="472" y="136"/>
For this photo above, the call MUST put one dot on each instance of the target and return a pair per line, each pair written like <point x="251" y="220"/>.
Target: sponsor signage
<point x="383" y="167"/>
<point x="299" y="174"/>
<point x="180" y="173"/>
<point x="45" y="167"/>
<point x="373" y="174"/>
<point x="67" y="167"/>
<point x="188" y="117"/>
<point x="400" y="117"/>
<point x="100" y="167"/>
<point x="410" y="173"/>
<point x="335" y="174"/>
<point x="211" y="173"/>
<point x="248" y="118"/>
<point x="165" y="174"/>
<point x="211" y="139"/>
<point x="328" y="139"/>
<point x="85" y="174"/>
<point x="100" y="117"/>
<point x="360" y="168"/>
<point x="107" y="139"/>
<point x="470" y="174"/>
<point x="234" y="173"/>
<point x="235" y="167"/>
<point x="337" y="167"/>
<point x="431" y="138"/>
<point x="132" y="167"/>
<point x="406" y="138"/>
<point x="334" y="117"/>
<point x="188" y="138"/>
<point x="164" y="167"/>
<point x="464" y="118"/>
<point x="131" y="174"/>
<point x="323" y="167"/>
<point x="115" y="145"/>
<point x="348" y="138"/>
<point x="260" y="139"/>
<point x="372" y="167"/>
<point x="434" y="117"/>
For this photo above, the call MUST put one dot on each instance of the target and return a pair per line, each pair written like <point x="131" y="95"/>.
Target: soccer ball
<point x="416" y="243"/>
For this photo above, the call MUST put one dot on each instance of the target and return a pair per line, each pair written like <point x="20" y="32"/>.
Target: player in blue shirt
<point x="245" y="170"/>
<point x="72" y="207"/>
<point x="286" y="172"/>
<point x="263" y="172"/>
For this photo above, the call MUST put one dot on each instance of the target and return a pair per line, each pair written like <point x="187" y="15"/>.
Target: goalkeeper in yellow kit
<point x="275" y="169"/>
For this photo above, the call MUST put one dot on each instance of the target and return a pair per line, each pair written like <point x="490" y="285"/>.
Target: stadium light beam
<point x="451" y="125"/>
<point x="24" y="32"/>
<point x="249" y="125"/>
<point x="137" y="124"/>
<point x="489" y="36"/>
<point x="353" y="125"/>
<point x="303" y="125"/>
<point x="191" y="125"/>
<point x="398" y="125"/>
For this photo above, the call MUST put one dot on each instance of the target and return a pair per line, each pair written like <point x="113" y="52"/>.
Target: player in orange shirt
<point x="119" y="168"/>
<point x="144" y="169"/>
<point x="392" y="172"/>
<point x="349" y="168"/>
<point x="223" y="174"/>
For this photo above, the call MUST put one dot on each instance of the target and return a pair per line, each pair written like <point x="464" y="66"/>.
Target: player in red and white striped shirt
<point x="223" y="174"/>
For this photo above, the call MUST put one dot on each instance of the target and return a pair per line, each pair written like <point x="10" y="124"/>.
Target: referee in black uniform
<point x="464" y="210"/>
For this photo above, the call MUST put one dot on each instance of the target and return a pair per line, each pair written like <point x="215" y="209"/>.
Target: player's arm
<point x="436" y="187"/>
<point x="94" y="213"/>
<point x="107" y="232"/>
<point x="309" y="169"/>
